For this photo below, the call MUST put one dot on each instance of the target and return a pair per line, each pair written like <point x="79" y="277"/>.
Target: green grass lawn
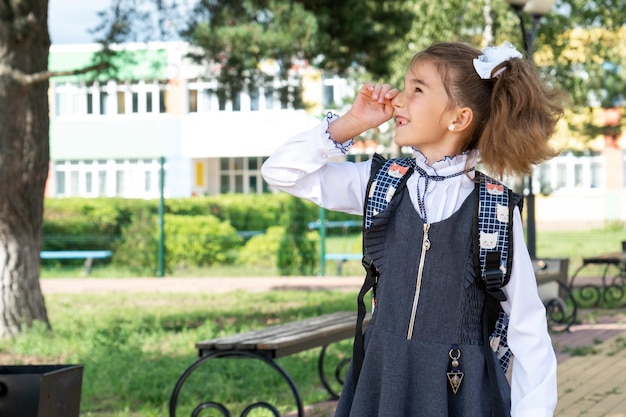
<point x="134" y="347"/>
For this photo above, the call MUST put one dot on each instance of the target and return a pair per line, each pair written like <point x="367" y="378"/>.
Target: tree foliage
<point x="248" y="43"/>
<point x="579" y="46"/>
<point x="584" y="52"/>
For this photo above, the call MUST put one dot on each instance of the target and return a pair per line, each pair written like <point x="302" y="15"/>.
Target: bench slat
<point x="283" y="338"/>
<point x="608" y="258"/>
<point x="228" y="342"/>
<point x="291" y="344"/>
<point x="75" y="254"/>
<point x="288" y="338"/>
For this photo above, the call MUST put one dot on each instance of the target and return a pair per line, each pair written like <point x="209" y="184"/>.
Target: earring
<point x="451" y="127"/>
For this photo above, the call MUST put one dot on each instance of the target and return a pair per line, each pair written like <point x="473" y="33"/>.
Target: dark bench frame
<point x="611" y="289"/>
<point x="272" y="343"/>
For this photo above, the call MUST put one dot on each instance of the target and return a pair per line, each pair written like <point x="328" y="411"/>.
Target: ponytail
<point x="522" y="117"/>
<point x="515" y="114"/>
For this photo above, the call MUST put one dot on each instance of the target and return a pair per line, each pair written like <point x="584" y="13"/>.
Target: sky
<point x="69" y="20"/>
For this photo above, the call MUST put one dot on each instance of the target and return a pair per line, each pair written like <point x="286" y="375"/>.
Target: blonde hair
<point x="515" y="113"/>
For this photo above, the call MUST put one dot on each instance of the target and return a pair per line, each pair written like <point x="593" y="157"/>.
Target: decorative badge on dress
<point x="455" y="376"/>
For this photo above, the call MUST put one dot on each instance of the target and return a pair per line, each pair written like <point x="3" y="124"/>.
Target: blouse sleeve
<point x="534" y="376"/>
<point x="306" y="166"/>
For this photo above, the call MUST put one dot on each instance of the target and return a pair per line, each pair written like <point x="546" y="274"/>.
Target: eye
<point x="418" y="90"/>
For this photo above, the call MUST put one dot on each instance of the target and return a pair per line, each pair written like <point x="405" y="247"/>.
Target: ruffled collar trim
<point x="446" y="166"/>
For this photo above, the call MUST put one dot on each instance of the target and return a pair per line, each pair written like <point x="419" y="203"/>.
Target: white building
<point x="107" y="136"/>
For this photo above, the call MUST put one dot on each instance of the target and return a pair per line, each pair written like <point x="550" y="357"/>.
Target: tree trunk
<point x="24" y="159"/>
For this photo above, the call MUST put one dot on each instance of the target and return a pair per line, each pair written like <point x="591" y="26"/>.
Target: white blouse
<point x="305" y="166"/>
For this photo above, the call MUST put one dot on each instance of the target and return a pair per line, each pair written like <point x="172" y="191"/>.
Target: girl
<point x="458" y="107"/>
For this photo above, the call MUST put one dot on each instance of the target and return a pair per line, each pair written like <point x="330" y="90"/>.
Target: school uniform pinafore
<point x="407" y="350"/>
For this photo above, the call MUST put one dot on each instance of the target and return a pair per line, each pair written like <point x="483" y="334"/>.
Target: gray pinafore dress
<point x="404" y="372"/>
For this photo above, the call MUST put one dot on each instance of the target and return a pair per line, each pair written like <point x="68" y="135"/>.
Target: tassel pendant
<point x="455" y="376"/>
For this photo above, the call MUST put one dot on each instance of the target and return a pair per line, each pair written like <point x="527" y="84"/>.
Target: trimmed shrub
<point x="261" y="250"/>
<point x="199" y="241"/>
<point x="138" y="248"/>
<point x="297" y="253"/>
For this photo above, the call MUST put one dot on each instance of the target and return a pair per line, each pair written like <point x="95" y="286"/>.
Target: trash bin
<point x="40" y="390"/>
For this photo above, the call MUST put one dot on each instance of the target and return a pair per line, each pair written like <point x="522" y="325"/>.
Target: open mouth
<point x="401" y="121"/>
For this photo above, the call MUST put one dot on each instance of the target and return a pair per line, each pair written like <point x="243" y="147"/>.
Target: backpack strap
<point x="491" y="230"/>
<point x="386" y="177"/>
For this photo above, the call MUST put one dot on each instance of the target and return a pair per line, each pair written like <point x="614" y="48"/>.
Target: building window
<point x="328" y="96"/>
<point x="578" y="175"/>
<point x="135" y="100"/>
<point x="121" y="102"/>
<point x="147" y="187"/>
<point x="107" y="98"/>
<point x="269" y="98"/>
<point x="242" y="175"/>
<point x="89" y="103"/>
<point x="596" y="174"/>
<point x="74" y="182"/>
<point x="254" y="99"/>
<point x="239" y="184"/>
<point x="193" y="101"/>
<point x="224" y="184"/>
<point x="162" y="106"/>
<point x="88" y="182"/>
<point x="102" y="183"/>
<point x="237" y="102"/>
<point x="119" y="183"/>
<point x="561" y="175"/>
<point x="208" y="97"/>
<point x="60" y="183"/>
<point x="90" y="178"/>
<point x="252" y="184"/>
<point x="104" y="102"/>
<point x="253" y="164"/>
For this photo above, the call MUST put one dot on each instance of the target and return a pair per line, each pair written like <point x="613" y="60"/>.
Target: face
<point x="423" y="113"/>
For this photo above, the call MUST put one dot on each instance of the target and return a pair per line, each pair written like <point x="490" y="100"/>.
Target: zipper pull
<point x="426" y="241"/>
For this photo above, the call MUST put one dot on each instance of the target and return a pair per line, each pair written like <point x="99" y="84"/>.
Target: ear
<point x="463" y="119"/>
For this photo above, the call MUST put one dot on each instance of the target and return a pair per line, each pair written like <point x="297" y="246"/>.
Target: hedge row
<point x="199" y="231"/>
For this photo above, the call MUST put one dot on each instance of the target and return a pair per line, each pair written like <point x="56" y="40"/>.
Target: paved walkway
<point x="591" y="356"/>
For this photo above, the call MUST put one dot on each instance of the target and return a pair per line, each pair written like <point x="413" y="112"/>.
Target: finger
<point x="386" y="93"/>
<point x="392" y="93"/>
<point x="377" y="91"/>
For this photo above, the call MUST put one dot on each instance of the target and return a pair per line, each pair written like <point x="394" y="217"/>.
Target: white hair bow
<point x="492" y="57"/>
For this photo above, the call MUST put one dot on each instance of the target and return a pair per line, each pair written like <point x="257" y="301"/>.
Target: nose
<point x="398" y="101"/>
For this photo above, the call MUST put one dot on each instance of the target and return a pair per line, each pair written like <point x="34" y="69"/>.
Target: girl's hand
<point x="370" y="109"/>
<point x="372" y="105"/>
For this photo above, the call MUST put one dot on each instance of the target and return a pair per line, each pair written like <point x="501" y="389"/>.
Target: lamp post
<point x="536" y="9"/>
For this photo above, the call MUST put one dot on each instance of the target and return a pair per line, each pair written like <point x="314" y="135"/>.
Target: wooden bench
<point x="87" y="255"/>
<point x="552" y="282"/>
<point x="271" y="343"/>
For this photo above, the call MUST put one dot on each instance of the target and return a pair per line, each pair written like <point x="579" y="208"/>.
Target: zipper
<point x="418" y="284"/>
